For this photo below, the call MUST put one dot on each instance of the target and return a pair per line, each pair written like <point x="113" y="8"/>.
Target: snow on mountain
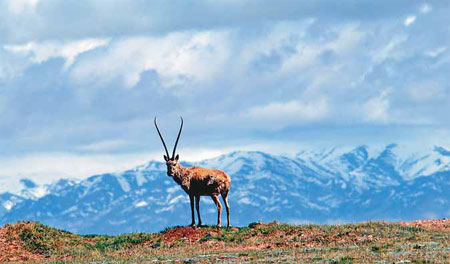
<point x="337" y="184"/>
<point x="417" y="164"/>
<point x="23" y="188"/>
<point x="31" y="190"/>
<point x="8" y="201"/>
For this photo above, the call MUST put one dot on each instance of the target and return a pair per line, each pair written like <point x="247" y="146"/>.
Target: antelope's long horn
<point x="178" y="137"/>
<point x="159" y="133"/>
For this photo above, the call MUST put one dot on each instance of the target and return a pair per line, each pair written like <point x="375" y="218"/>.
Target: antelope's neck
<point x="182" y="178"/>
<point x="179" y="173"/>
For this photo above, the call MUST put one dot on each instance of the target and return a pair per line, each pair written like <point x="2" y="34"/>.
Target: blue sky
<point x="80" y="81"/>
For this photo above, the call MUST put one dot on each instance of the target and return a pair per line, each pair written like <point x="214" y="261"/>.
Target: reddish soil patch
<point x="189" y="233"/>
<point x="11" y="246"/>
<point x="443" y="224"/>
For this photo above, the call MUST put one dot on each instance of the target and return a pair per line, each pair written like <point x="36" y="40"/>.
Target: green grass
<point x="276" y="242"/>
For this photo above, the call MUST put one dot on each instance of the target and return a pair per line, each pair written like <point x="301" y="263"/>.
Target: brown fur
<point x="197" y="182"/>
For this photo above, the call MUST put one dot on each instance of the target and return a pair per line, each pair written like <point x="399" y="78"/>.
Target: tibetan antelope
<point x="197" y="182"/>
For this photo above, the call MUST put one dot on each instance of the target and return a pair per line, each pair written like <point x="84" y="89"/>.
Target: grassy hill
<point x="416" y="242"/>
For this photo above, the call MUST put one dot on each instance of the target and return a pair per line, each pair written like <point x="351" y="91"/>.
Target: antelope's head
<point x="171" y="162"/>
<point x="172" y="166"/>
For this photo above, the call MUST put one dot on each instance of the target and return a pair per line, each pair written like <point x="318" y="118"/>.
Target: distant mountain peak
<point x="27" y="183"/>
<point x="441" y="151"/>
<point x="355" y="158"/>
<point x="388" y="156"/>
<point x="391" y="146"/>
<point x="361" y="148"/>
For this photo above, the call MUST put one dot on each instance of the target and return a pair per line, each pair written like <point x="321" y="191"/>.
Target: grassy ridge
<point x="275" y="242"/>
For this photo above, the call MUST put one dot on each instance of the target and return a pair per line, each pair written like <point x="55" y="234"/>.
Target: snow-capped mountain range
<point x="327" y="186"/>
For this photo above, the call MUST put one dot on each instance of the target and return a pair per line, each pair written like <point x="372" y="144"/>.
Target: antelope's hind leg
<point x="197" y="205"/>
<point x="216" y="200"/>
<point x="227" y="206"/>
<point x="191" y="198"/>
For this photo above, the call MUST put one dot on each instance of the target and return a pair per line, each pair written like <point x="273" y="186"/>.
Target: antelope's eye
<point x="174" y="164"/>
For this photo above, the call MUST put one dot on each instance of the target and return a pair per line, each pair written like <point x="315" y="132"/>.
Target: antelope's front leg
<point x="219" y="208"/>
<point x="191" y="198"/>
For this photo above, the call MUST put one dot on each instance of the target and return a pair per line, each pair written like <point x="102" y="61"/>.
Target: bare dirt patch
<point x="189" y="233"/>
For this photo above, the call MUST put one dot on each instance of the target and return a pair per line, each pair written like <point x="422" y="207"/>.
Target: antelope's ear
<point x="166" y="158"/>
<point x="177" y="157"/>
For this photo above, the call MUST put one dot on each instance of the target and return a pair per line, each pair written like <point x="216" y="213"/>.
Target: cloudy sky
<point x="82" y="80"/>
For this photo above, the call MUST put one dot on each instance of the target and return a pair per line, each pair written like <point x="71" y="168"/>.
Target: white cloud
<point x="388" y="50"/>
<point x="10" y="65"/>
<point x="41" y="52"/>
<point x="178" y="58"/>
<point x="187" y="58"/>
<point x="141" y="203"/>
<point x="104" y="145"/>
<point x="46" y="167"/>
<point x="436" y="52"/>
<point x="295" y="110"/>
<point x="425" y="8"/>
<point x="71" y="50"/>
<point x="348" y="39"/>
<point x="427" y="91"/>
<point x="376" y="108"/>
<point x="21" y="6"/>
<point x="119" y="18"/>
<point x="409" y="20"/>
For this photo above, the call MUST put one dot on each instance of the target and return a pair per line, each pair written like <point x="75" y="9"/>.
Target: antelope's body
<point x="197" y="182"/>
<point x="201" y="181"/>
